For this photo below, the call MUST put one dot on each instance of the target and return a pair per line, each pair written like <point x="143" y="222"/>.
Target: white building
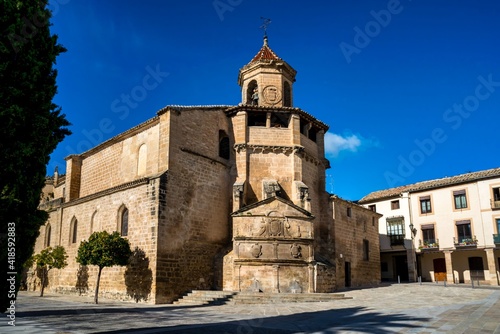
<point x="444" y="229"/>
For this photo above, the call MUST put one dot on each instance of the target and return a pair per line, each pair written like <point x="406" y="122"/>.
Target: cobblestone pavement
<point x="398" y="308"/>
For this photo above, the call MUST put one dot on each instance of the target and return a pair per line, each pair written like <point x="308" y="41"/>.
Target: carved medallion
<point x="295" y="250"/>
<point x="256" y="250"/>
<point x="271" y="94"/>
<point x="275" y="227"/>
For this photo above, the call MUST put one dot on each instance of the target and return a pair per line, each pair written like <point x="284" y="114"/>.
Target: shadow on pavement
<point x="330" y="321"/>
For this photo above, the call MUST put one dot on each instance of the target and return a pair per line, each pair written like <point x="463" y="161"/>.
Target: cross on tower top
<point x="265" y="23"/>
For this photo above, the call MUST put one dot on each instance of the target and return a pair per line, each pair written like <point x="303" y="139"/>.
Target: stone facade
<point x="212" y="197"/>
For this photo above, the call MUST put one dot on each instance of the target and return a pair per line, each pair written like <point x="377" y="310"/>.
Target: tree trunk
<point x="97" y="286"/>
<point x="44" y="275"/>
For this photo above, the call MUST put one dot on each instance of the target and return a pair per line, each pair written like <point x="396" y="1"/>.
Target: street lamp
<point x="413" y="230"/>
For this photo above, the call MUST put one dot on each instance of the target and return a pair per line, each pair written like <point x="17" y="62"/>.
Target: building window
<point x="124" y="221"/>
<point x="287" y="95"/>
<point x="460" y="199"/>
<point x="279" y="120"/>
<point x="396" y="231"/>
<point x="349" y="212"/>
<point x="223" y="145"/>
<point x="48" y="231"/>
<point x="373" y="221"/>
<point x="252" y="97"/>
<point x="73" y="228"/>
<point x="395" y="204"/>
<point x="425" y="204"/>
<point x="429" y="236"/>
<point x="142" y="159"/>
<point x="93" y="222"/>
<point x="257" y="119"/>
<point x="464" y="231"/>
<point x="496" y="198"/>
<point x="372" y="207"/>
<point x="366" y="250"/>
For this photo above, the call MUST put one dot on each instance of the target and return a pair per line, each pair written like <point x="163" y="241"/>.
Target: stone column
<point x="492" y="266"/>
<point x="450" y="277"/>
<point x="276" y="288"/>
<point x="311" y="288"/>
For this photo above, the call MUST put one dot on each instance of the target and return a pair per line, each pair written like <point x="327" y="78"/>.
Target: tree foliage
<point x="104" y="250"/>
<point x="31" y="125"/>
<point x="48" y="259"/>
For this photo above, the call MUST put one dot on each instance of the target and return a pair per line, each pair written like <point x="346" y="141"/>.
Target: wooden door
<point x="439" y="270"/>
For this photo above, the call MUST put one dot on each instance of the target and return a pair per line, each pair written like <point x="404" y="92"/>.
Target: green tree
<point x="104" y="250"/>
<point x="48" y="259"/>
<point x="31" y="126"/>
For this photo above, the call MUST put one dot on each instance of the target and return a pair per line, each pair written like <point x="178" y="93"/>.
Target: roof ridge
<point x="433" y="183"/>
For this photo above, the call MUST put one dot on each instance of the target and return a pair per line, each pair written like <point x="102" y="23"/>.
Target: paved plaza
<point x="398" y="308"/>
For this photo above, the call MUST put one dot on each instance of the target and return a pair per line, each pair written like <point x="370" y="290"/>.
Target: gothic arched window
<point x="142" y="160"/>
<point x="48" y="231"/>
<point x="250" y="98"/>
<point x="123" y="220"/>
<point x="73" y="231"/>
<point x="223" y="145"/>
<point x="287" y="95"/>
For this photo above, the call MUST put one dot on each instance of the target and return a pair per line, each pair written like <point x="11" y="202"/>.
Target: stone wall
<point x="350" y="233"/>
<point x="194" y="218"/>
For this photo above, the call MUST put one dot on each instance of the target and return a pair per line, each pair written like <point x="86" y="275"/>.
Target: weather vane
<point x="265" y="23"/>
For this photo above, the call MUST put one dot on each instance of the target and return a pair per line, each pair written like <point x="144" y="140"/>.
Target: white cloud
<point x="335" y="143"/>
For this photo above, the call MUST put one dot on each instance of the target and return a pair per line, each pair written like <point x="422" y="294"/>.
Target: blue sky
<point x="410" y="89"/>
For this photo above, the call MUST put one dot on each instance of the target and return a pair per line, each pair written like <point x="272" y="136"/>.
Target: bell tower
<point x="267" y="80"/>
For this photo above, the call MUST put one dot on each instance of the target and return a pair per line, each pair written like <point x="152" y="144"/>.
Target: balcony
<point x="428" y="244"/>
<point x="495" y="204"/>
<point x="397" y="239"/>
<point x="496" y="239"/>
<point x="467" y="241"/>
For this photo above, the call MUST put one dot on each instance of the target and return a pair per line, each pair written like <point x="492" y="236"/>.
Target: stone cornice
<point x="109" y="191"/>
<point x="129" y="133"/>
<point x="297" y="149"/>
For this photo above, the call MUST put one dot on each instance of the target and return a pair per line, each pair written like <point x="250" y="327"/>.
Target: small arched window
<point x="123" y="221"/>
<point x="251" y="98"/>
<point x="287" y="95"/>
<point x="73" y="229"/>
<point x="93" y="223"/>
<point x="48" y="231"/>
<point x="223" y="145"/>
<point x="142" y="160"/>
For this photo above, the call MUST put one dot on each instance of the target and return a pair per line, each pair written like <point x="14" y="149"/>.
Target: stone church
<point x="214" y="197"/>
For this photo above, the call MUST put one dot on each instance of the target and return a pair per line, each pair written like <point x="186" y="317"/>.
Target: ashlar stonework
<point x="213" y="197"/>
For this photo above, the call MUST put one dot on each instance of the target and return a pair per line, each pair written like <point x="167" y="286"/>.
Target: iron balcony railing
<point x="428" y="244"/>
<point x="496" y="238"/>
<point x="465" y="241"/>
<point x="495" y="204"/>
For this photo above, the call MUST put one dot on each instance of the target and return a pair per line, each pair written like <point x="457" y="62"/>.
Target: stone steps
<point x="202" y="297"/>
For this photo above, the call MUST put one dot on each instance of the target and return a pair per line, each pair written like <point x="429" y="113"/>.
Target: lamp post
<point x="413" y="233"/>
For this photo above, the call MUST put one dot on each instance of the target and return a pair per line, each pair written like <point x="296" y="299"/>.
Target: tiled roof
<point x="265" y="53"/>
<point x="432" y="184"/>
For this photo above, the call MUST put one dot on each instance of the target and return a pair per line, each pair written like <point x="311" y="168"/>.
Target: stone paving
<point x="398" y="308"/>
